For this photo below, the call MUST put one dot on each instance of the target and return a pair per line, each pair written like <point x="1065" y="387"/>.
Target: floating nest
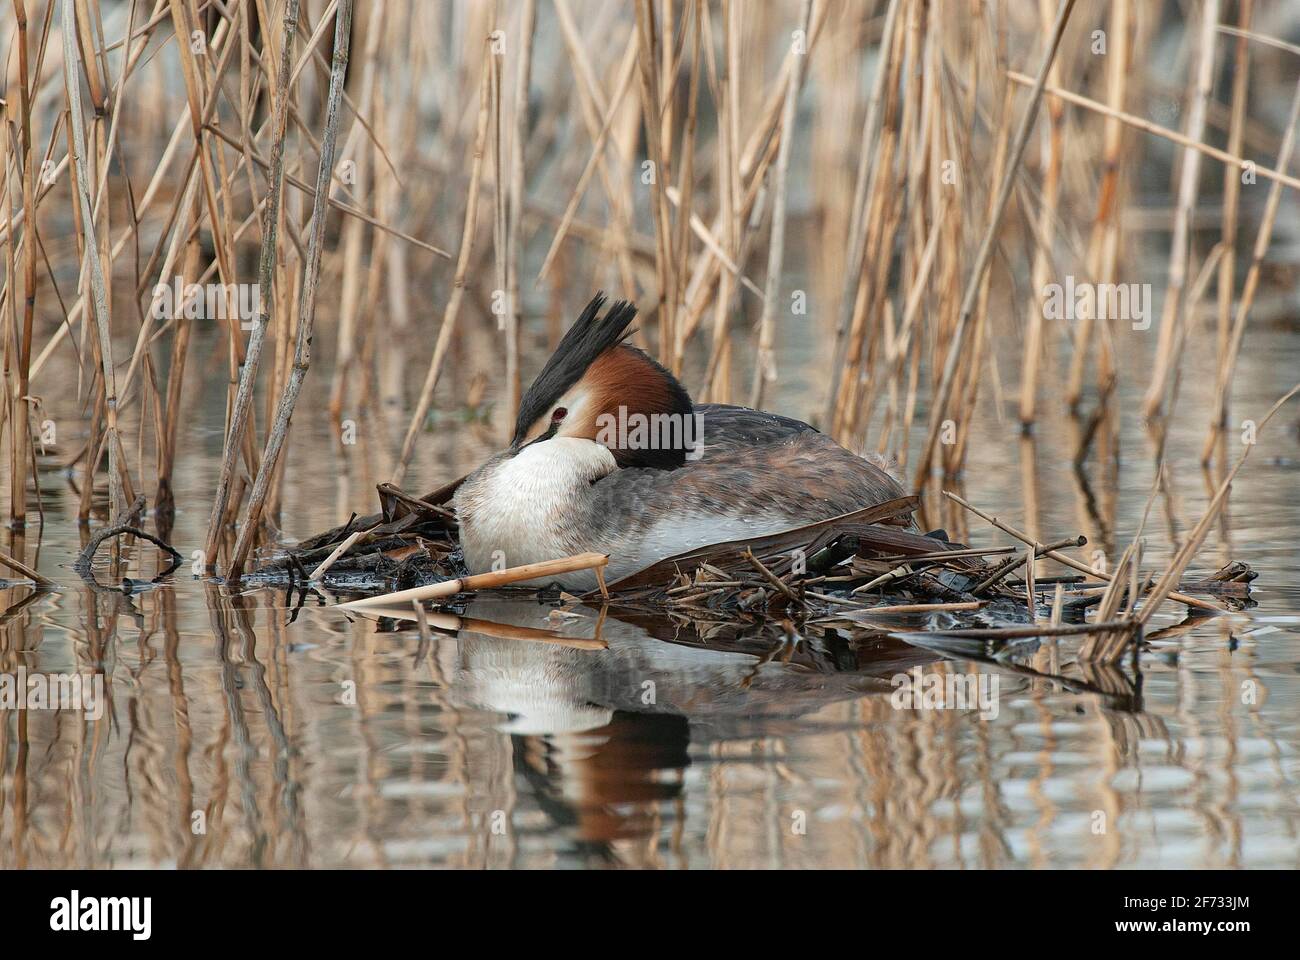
<point x="864" y="570"/>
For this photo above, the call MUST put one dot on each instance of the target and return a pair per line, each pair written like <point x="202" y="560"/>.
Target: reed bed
<point x="424" y="193"/>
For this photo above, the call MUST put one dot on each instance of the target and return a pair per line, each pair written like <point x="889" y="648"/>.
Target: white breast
<point x="523" y="509"/>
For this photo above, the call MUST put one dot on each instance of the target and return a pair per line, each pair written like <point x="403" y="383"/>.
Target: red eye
<point x="559" y="414"/>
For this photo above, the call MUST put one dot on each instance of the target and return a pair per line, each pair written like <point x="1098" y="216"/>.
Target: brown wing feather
<point x="802" y="478"/>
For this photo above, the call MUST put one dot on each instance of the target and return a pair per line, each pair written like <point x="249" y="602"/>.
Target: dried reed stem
<point x="515" y="225"/>
<point x="1163" y="589"/>
<point x="19" y="567"/>
<point x="1228" y="362"/>
<point x="765" y="362"/>
<point x="307" y="304"/>
<point x="1188" y="186"/>
<point x="240" y="414"/>
<point x="942" y="393"/>
<point x="91" y="263"/>
<point x="1155" y="129"/>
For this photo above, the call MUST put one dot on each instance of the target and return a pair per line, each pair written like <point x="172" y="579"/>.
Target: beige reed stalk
<point x="765" y="361"/>
<point x="354" y="235"/>
<point x="515" y="216"/>
<point x="1188" y="187"/>
<point x="594" y="108"/>
<point x="20" y="425"/>
<point x="99" y="296"/>
<point x="1164" y="133"/>
<point x="265" y="279"/>
<point x="503" y="311"/>
<point x="1231" y="194"/>
<point x="1164" y="589"/>
<point x="686" y="220"/>
<point x="1039" y="272"/>
<point x="307" y="304"/>
<point x="868" y="170"/>
<point x="487" y="581"/>
<point x="939" y="401"/>
<point x="1228" y="364"/>
<point x="651" y="97"/>
<point x="1104" y="243"/>
<point x="596" y="159"/>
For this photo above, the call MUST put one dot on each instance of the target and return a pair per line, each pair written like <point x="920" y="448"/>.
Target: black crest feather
<point x="589" y="337"/>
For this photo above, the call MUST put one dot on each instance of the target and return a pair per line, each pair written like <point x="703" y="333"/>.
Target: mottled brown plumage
<point x="754" y="465"/>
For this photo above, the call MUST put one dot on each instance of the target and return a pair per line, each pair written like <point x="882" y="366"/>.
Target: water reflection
<point x="254" y="728"/>
<point x="522" y="736"/>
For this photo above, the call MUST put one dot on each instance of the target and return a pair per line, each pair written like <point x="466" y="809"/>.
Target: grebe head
<point x="592" y="377"/>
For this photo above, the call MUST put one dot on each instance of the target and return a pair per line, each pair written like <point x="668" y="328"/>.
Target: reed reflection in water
<point x="249" y="741"/>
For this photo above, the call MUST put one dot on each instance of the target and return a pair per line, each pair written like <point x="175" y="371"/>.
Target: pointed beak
<point x="550" y="432"/>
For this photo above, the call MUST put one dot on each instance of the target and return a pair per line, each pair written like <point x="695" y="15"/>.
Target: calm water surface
<point x="247" y="728"/>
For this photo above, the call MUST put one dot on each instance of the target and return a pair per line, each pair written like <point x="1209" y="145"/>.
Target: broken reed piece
<point x="945" y="555"/>
<point x="923" y="607"/>
<point x="1108" y="646"/>
<point x="19" y="567"/>
<point x="341" y="549"/>
<point x="898" y="573"/>
<point x="482" y="581"/>
<point x="1010" y="566"/>
<point x="868" y="616"/>
<point x="770" y="577"/>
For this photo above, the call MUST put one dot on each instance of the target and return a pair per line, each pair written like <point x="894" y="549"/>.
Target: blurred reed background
<point x="425" y="193"/>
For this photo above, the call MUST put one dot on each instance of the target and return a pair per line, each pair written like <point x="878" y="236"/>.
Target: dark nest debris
<point x="863" y="571"/>
<point x="410" y="542"/>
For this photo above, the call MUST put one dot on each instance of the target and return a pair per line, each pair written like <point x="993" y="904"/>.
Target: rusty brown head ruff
<point x="593" y="379"/>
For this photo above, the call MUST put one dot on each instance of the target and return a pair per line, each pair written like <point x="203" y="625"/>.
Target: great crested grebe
<point x="609" y="454"/>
